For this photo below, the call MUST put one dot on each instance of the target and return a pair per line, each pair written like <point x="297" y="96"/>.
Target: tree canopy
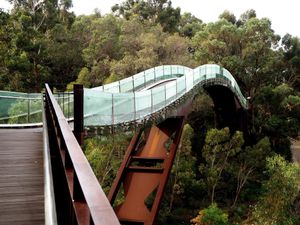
<point x="218" y="173"/>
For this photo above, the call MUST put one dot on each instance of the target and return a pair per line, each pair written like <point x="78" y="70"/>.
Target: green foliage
<point x="184" y="169"/>
<point x="211" y="216"/>
<point x="105" y="155"/>
<point x="249" y="164"/>
<point x="43" y="41"/>
<point x="280" y="191"/>
<point x="189" y="25"/>
<point x="156" y="11"/>
<point x="25" y="111"/>
<point x="291" y="57"/>
<point x="277" y="116"/>
<point x="82" y="79"/>
<point x="228" y="16"/>
<point x="219" y="147"/>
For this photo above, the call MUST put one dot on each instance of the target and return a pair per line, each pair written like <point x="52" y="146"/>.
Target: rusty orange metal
<point x="144" y="172"/>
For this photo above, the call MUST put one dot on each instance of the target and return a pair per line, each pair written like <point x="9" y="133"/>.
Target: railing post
<point x="28" y="108"/>
<point x="112" y="113"/>
<point x="78" y="112"/>
<point x="133" y="89"/>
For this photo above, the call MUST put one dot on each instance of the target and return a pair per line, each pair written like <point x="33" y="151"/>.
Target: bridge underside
<point x="229" y="112"/>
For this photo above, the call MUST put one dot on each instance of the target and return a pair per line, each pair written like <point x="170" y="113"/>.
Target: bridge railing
<point x="144" y="79"/>
<point x="49" y="197"/>
<point x="110" y="106"/>
<point x="78" y="194"/>
<point x="18" y="108"/>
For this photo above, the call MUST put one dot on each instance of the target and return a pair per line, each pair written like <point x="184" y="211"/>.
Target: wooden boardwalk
<point x="21" y="177"/>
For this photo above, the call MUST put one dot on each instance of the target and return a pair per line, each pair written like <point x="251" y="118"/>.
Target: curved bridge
<point x="128" y="100"/>
<point x="72" y="194"/>
<point x="135" y="98"/>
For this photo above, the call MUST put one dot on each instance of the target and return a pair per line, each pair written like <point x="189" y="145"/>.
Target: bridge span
<point x="45" y="177"/>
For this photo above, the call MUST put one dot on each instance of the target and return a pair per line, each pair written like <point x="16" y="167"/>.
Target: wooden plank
<point x="21" y="177"/>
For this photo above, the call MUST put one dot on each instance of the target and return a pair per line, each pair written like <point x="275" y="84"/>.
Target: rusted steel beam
<point x="144" y="172"/>
<point x="80" y="199"/>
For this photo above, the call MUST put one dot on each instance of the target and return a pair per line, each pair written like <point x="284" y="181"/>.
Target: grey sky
<point x="284" y="15"/>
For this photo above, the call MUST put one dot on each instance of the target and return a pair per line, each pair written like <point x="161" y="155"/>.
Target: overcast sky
<point x="284" y="15"/>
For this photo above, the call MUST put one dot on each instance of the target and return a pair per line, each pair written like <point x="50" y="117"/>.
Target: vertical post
<point x="133" y="89"/>
<point x="78" y="112"/>
<point x="63" y="104"/>
<point x="134" y="110"/>
<point x="68" y="105"/>
<point x="112" y="114"/>
<point x="28" y="109"/>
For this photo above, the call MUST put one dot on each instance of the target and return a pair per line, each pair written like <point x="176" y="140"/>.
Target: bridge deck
<point x="21" y="177"/>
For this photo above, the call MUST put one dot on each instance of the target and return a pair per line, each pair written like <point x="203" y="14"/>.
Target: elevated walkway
<point x="21" y="177"/>
<point x="73" y="194"/>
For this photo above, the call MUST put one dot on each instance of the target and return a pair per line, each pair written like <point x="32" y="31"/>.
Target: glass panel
<point x="208" y="72"/>
<point x="171" y="91"/>
<point x="158" y="97"/>
<point x="20" y="108"/>
<point x="180" y="86"/>
<point x="189" y="81"/>
<point x="167" y="72"/>
<point x="175" y="71"/>
<point x="143" y="103"/>
<point x="149" y="76"/>
<point x="123" y="107"/>
<point x="180" y="70"/>
<point x="126" y="84"/>
<point x="112" y="87"/>
<point x="97" y="108"/>
<point x="139" y="81"/>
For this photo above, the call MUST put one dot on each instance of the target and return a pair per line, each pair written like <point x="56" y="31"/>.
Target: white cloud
<point x="4" y="4"/>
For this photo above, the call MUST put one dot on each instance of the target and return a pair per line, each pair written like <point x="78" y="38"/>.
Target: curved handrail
<point x="144" y="78"/>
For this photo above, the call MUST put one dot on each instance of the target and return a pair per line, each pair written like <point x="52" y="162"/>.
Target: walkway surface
<point x="21" y="177"/>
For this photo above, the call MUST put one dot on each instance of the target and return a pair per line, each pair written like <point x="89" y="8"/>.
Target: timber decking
<point x="21" y="177"/>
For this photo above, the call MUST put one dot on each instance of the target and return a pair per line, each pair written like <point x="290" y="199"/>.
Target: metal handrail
<point x="87" y="201"/>
<point x="49" y="204"/>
